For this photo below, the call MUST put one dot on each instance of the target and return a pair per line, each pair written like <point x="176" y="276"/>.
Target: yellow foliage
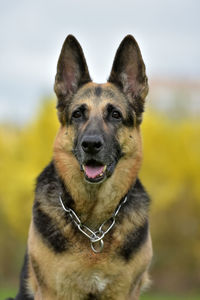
<point x="25" y="153"/>
<point x="171" y="159"/>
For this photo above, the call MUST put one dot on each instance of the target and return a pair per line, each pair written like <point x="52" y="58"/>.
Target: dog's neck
<point x="96" y="202"/>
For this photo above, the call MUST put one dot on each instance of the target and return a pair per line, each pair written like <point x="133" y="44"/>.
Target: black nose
<point x="92" y="144"/>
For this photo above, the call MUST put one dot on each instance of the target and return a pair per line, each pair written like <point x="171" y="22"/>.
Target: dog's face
<point x="97" y="114"/>
<point x="99" y="121"/>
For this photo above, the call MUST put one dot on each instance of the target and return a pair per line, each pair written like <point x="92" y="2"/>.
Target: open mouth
<point x="94" y="171"/>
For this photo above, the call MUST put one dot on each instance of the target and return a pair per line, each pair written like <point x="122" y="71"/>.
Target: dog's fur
<point x="100" y="126"/>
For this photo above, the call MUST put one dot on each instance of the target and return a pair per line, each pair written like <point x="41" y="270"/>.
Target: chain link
<point x="95" y="237"/>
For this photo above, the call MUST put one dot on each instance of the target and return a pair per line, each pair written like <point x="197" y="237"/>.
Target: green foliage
<point x="170" y="173"/>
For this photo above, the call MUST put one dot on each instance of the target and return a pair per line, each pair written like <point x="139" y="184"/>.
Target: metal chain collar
<point x="94" y="236"/>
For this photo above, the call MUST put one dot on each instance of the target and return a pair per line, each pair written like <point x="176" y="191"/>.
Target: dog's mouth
<point x="94" y="171"/>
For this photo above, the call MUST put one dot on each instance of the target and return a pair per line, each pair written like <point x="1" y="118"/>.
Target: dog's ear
<point x="128" y="72"/>
<point x="72" y="71"/>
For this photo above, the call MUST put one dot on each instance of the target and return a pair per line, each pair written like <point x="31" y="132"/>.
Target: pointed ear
<point x="128" y="73"/>
<point x="72" y="71"/>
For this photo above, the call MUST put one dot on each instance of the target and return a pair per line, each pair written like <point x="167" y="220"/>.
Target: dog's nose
<point x="92" y="144"/>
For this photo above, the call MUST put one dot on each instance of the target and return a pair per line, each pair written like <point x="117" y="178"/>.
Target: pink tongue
<point x="93" y="172"/>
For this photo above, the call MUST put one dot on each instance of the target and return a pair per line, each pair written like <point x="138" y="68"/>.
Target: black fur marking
<point x="50" y="232"/>
<point x="37" y="271"/>
<point x="22" y="294"/>
<point x="91" y="296"/>
<point x="49" y="184"/>
<point x="98" y="91"/>
<point x="129" y="121"/>
<point x="48" y="175"/>
<point x="47" y="180"/>
<point x="137" y="199"/>
<point x="134" y="241"/>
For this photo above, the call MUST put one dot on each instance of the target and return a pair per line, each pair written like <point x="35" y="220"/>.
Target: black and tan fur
<point x="99" y="123"/>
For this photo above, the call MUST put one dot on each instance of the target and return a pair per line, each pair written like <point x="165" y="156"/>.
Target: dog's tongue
<point x="93" y="172"/>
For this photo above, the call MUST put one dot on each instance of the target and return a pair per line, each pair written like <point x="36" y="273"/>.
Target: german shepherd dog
<point x="89" y="236"/>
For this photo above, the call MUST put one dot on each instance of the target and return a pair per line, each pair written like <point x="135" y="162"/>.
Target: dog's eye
<point x="77" y="114"/>
<point x="116" y="114"/>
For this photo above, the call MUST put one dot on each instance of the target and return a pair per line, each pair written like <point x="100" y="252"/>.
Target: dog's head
<point x="99" y="122"/>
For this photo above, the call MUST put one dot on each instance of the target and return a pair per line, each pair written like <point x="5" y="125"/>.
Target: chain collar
<point x="95" y="237"/>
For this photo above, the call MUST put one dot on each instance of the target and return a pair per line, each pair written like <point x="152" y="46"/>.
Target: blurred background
<point x="31" y="36"/>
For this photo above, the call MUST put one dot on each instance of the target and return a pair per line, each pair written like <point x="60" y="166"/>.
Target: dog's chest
<point x="83" y="283"/>
<point x="83" y="276"/>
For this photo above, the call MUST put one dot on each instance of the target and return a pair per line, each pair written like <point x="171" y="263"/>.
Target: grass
<point x="168" y="297"/>
<point x="4" y="293"/>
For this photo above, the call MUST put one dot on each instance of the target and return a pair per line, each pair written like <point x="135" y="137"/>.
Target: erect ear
<point x="72" y="71"/>
<point x="128" y="73"/>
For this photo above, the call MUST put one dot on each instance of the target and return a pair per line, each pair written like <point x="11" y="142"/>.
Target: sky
<point x="32" y="33"/>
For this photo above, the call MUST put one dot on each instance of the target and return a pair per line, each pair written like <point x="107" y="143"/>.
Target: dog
<point x="89" y="235"/>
